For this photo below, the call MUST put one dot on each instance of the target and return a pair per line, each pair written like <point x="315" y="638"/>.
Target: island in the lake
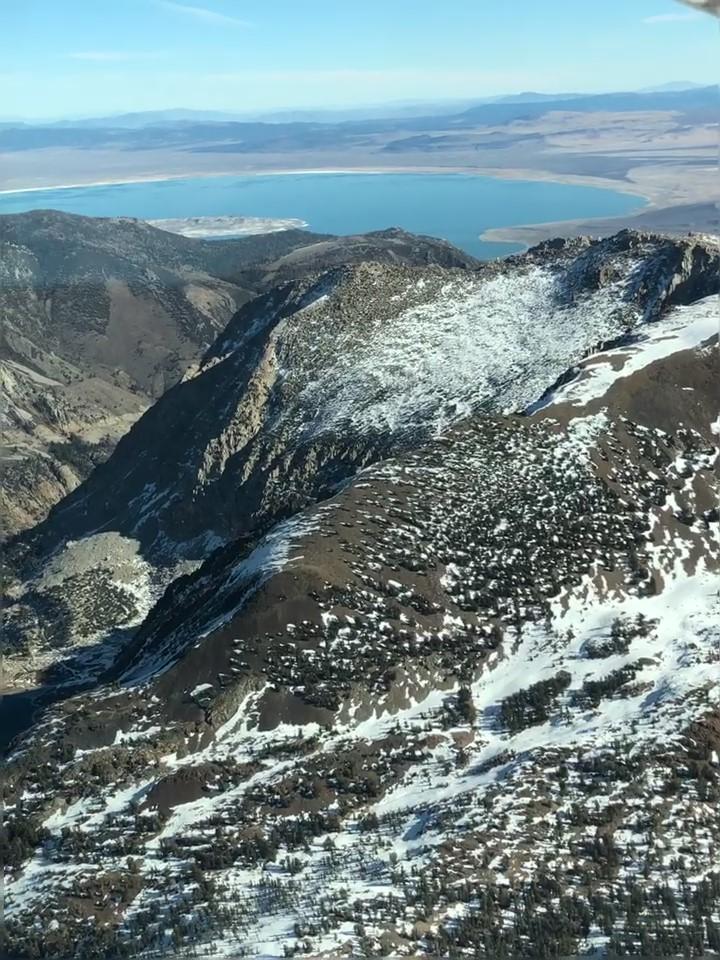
<point x="226" y="226"/>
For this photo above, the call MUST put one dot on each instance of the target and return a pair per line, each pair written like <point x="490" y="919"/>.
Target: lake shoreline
<point x="476" y="234"/>
<point x="602" y="183"/>
<point x="676" y="220"/>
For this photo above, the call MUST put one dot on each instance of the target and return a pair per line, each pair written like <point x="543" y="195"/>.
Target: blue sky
<point x="90" y="57"/>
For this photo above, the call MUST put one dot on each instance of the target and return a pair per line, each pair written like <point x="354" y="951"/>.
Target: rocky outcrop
<point x="101" y="316"/>
<point x="320" y="376"/>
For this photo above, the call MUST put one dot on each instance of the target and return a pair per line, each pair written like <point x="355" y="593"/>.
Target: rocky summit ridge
<point x="314" y="380"/>
<point x="102" y="315"/>
<point x="413" y="641"/>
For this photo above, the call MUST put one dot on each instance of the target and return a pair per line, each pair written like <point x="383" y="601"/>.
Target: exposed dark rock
<point x="101" y="316"/>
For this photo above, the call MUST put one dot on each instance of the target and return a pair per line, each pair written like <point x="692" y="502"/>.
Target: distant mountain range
<point x="163" y="132"/>
<point x="400" y="111"/>
<point x="675" y="86"/>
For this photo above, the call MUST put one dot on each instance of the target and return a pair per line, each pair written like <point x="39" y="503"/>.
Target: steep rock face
<point x="101" y="316"/>
<point x="470" y="699"/>
<point x="322" y="375"/>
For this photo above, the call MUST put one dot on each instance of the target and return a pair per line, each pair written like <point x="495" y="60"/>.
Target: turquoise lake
<point x="457" y="207"/>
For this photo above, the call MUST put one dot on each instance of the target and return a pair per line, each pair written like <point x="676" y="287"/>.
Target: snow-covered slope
<point x="682" y="329"/>
<point x="467" y="706"/>
<point x="321" y="377"/>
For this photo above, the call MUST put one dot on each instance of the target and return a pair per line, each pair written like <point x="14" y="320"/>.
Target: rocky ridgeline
<point x="315" y="380"/>
<point x="367" y="357"/>
<point x="101" y="316"/>
<point x="469" y="701"/>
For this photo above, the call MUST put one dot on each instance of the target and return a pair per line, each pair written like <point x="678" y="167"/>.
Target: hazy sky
<point x="84" y="57"/>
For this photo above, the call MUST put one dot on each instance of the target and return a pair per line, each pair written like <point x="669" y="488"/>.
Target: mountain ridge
<point x="425" y="687"/>
<point x="309" y="383"/>
<point x="391" y="629"/>
<point x="103" y="314"/>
